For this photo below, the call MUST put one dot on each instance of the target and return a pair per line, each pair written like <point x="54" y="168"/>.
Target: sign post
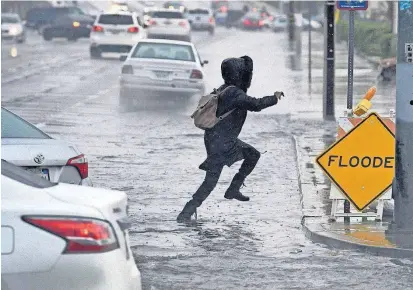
<point x="351" y="6"/>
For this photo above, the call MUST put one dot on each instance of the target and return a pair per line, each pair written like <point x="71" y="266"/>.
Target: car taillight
<point x="97" y="28"/>
<point x="211" y="20"/>
<point x="80" y="162"/>
<point x="133" y="29"/>
<point x="152" y="22"/>
<point x="182" y="24"/>
<point x="127" y="69"/>
<point x="260" y="23"/>
<point x="83" y="235"/>
<point x="196" y="74"/>
<point x="247" y="22"/>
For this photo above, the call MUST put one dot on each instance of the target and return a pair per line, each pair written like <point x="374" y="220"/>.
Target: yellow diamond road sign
<point x="361" y="164"/>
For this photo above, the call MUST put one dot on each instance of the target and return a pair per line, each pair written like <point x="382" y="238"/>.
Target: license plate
<point x="162" y="74"/>
<point x="114" y="31"/>
<point x="42" y="172"/>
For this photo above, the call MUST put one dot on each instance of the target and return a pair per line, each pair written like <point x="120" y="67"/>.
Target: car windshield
<point x="116" y="19"/>
<point x="9" y="19"/>
<point x="20" y="175"/>
<point x="13" y="126"/>
<point x="164" y="51"/>
<point x="168" y="14"/>
<point x="199" y="11"/>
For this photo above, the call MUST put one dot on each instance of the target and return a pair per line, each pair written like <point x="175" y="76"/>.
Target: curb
<point x="319" y="237"/>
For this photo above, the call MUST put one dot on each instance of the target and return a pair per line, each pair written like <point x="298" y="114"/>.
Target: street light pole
<point x="328" y="83"/>
<point x="403" y="184"/>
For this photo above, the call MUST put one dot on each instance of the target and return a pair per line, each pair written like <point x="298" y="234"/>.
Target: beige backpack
<point x="205" y="114"/>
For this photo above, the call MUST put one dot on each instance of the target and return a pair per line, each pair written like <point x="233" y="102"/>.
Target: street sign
<point x="362" y="163"/>
<point x="352" y="5"/>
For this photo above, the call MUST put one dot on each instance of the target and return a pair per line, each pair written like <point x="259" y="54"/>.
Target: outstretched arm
<point x="244" y="102"/>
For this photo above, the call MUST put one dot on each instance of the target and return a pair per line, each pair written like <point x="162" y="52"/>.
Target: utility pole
<point x="328" y="82"/>
<point x="291" y="21"/>
<point x="298" y="38"/>
<point x="403" y="184"/>
<point x="310" y="7"/>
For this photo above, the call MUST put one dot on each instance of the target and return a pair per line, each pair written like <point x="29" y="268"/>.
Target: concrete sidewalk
<point x="372" y="237"/>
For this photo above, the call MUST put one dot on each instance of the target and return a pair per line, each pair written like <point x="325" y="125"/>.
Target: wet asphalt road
<point x="154" y="157"/>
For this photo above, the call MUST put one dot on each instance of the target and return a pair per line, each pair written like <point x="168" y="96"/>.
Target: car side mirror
<point x="205" y="62"/>
<point x="123" y="57"/>
<point x="145" y="25"/>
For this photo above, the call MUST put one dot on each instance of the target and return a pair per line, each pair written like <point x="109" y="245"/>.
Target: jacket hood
<point x="237" y="71"/>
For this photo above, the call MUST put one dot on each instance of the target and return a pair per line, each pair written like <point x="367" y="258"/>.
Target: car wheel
<point x="21" y="40"/>
<point x="95" y="53"/>
<point x="47" y="35"/>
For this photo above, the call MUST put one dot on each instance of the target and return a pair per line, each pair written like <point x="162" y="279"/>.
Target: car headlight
<point x="15" y="30"/>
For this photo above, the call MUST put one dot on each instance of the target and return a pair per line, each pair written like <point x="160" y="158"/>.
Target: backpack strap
<point x="227" y="113"/>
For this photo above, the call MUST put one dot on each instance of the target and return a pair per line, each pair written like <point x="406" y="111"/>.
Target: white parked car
<point x="62" y="236"/>
<point x="279" y="23"/>
<point x="201" y="19"/>
<point x="161" y="68"/>
<point x="314" y="24"/>
<point x="169" y="24"/>
<point x="115" y="33"/>
<point x="12" y="27"/>
<point x="28" y="147"/>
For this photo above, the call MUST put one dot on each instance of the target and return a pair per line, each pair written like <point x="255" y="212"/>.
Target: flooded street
<point x="153" y="155"/>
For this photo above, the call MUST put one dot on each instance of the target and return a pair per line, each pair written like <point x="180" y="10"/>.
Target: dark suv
<point x="68" y="22"/>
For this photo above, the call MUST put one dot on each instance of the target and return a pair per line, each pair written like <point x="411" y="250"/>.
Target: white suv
<point x="201" y="19"/>
<point x="115" y="33"/>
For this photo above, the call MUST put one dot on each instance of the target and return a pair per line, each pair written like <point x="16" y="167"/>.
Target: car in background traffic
<point x="315" y="25"/>
<point x="217" y="5"/>
<point x="52" y="22"/>
<point x="252" y="21"/>
<point x="169" y="24"/>
<point x="12" y="27"/>
<point x="157" y="68"/>
<point x="62" y="236"/>
<point x="220" y="17"/>
<point x="201" y="19"/>
<point x="147" y="15"/>
<point x="115" y="33"/>
<point x="176" y="5"/>
<point x="117" y="6"/>
<point x="279" y="23"/>
<point x="26" y="146"/>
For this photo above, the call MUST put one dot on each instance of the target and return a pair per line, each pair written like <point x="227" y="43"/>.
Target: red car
<point x="252" y="21"/>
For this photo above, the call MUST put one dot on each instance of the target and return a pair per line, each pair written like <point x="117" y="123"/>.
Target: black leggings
<point x="251" y="157"/>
